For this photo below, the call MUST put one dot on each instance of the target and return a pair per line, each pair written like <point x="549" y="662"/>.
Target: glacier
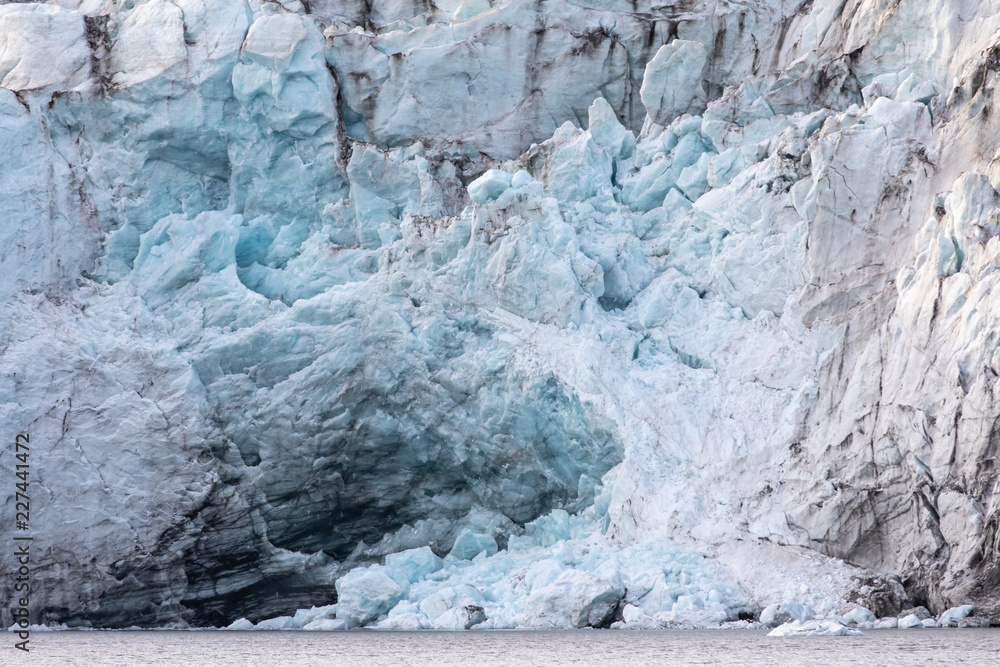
<point x="502" y="313"/>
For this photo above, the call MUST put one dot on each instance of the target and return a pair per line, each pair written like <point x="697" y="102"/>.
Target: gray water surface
<point x="972" y="647"/>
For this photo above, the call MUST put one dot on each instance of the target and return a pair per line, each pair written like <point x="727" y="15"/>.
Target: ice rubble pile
<point x="292" y="290"/>
<point x="804" y="624"/>
<point x="562" y="573"/>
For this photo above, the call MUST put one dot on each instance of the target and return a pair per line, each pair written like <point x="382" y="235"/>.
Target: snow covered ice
<point x="503" y="313"/>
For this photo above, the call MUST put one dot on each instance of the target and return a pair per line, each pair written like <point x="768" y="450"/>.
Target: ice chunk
<point x="149" y="42"/>
<point x="214" y="31"/>
<point x="914" y="89"/>
<point x="972" y="205"/>
<point x="304" y="617"/>
<point x="660" y="597"/>
<point x="860" y="616"/>
<point x="42" y="46"/>
<point x="688" y="602"/>
<point x="543" y="573"/>
<point x="930" y="623"/>
<point x="327" y="624"/>
<point x="278" y="623"/>
<point x="910" y="621"/>
<point x="521" y="179"/>
<point x="950" y="618"/>
<point x="636" y="618"/>
<point x="722" y="168"/>
<point x="607" y="131"/>
<point x="576" y="599"/>
<point x="887" y="623"/>
<point x="274" y="39"/>
<point x="694" y="610"/>
<point x="785" y="612"/>
<point x="460" y="618"/>
<point x="547" y="530"/>
<point x="415" y="564"/>
<point x="813" y="629"/>
<point x="576" y="168"/>
<point x="883" y="85"/>
<point x="693" y="179"/>
<point x="646" y="190"/>
<point x="489" y="186"/>
<point x="449" y="597"/>
<point x="434" y="605"/>
<point x="240" y="624"/>
<point x="672" y="81"/>
<point x="365" y="594"/>
<point x="470" y="544"/>
<point x="689" y="155"/>
<point x="409" y="621"/>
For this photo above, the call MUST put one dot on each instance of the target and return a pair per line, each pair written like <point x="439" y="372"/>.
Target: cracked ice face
<point x="285" y="289"/>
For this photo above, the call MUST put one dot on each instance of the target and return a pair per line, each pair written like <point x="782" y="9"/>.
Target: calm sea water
<point x="744" y="648"/>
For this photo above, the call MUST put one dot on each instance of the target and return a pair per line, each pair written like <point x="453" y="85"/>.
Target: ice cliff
<point x="501" y="312"/>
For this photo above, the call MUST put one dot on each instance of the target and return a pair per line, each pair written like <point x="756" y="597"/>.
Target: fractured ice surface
<point x="561" y="574"/>
<point x="351" y="299"/>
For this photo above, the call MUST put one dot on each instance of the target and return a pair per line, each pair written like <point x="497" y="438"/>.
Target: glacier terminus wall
<point x="501" y="313"/>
